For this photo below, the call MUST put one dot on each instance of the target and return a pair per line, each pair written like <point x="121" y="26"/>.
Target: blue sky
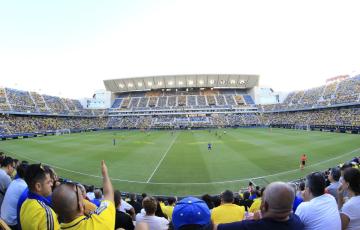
<point x="68" y="48"/>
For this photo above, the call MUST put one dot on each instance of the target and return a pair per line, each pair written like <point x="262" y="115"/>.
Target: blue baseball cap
<point x="190" y="210"/>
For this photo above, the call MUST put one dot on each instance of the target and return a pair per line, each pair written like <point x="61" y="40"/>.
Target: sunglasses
<point x="76" y="185"/>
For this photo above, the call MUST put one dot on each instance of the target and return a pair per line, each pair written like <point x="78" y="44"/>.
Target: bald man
<point x="68" y="204"/>
<point x="276" y="207"/>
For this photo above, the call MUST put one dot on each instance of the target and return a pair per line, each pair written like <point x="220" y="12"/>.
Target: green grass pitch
<point x="160" y="163"/>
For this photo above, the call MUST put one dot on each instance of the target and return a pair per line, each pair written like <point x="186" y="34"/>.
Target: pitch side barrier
<point x="322" y="128"/>
<point x="4" y="137"/>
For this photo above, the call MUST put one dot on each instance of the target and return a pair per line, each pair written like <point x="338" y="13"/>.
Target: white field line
<point x="191" y="183"/>
<point x="157" y="166"/>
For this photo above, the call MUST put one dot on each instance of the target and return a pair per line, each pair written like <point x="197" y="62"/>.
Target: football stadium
<point x="179" y="115"/>
<point x="156" y="133"/>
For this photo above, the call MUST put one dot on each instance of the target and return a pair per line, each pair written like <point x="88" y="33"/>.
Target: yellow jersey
<point x="168" y="210"/>
<point x="103" y="218"/>
<point x="255" y="205"/>
<point x="227" y="213"/>
<point x="35" y="214"/>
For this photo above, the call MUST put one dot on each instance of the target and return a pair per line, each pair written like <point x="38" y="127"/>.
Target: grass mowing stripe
<point x="188" y="167"/>
<point x="152" y="174"/>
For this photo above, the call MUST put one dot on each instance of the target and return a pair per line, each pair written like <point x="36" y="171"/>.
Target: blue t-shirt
<point x="253" y="196"/>
<point x="293" y="223"/>
<point x="296" y="203"/>
<point x="97" y="202"/>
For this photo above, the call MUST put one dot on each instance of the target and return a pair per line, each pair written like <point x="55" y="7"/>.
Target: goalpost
<point x="59" y="132"/>
<point x="302" y="127"/>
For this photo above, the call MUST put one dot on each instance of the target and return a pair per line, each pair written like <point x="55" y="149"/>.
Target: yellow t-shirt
<point x="36" y="215"/>
<point x="168" y="210"/>
<point x="255" y="205"/>
<point x="88" y="207"/>
<point x="103" y="218"/>
<point x="227" y="213"/>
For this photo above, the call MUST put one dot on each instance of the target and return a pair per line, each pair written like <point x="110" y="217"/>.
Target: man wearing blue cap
<point x="191" y="214"/>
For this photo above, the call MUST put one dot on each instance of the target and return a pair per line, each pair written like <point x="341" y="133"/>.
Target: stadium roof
<point x="239" y="81"/>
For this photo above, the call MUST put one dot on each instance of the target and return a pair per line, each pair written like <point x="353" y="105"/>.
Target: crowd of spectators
<point x="211" y="100"/>
<point x="171" y="102"/>
<point x="220" y="100"/>
<point x="162" y="102"/>
<point x="32" y="196"/>
<point x="143" y="102"/>
<point x="339" y="117"/>
<point x="153" y="101"/>
<point x="33" y="102"/>
<point x="17" y="124"/>
<point x="134" y="102"/>
<point x="20" y="100"/>
<point x="12" y="100"/>
<point x="32" y="124"/>
<point x="39" y="102"/>
<point x="336" y="93"/>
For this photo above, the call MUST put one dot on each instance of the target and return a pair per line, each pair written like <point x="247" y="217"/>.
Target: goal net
<point x="59" y="132"/>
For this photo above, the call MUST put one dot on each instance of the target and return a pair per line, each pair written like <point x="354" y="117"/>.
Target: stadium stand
<point x="162" y="102"/>
<point x="333" y="107"/>
<point x="172" y="101"/>
<point x="126" y="102"/>
<point x="153" y="101"/>
<point x="39" y="102"/>
<point x="345" y="92"/>
<point x="239" y="100"/>
<point x="201" y="101"/>
<point x="20" y="101"/>
<point x="143" y="102"/>
<point x="248" y="99"/>
<point x="4" y="105"/>
<point x="116" y="103"/>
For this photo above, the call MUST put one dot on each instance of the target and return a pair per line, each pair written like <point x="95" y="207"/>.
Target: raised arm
<point x="107" y="186"/>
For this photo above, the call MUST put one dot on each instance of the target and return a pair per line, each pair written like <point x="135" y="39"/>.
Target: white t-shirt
<point x="125" y="206"/>
<point x="154" y="222"/>
<point x="320" y="213"/>
<point x="9" y="205"/>
<point x="5" y="181"/>
<point x="90" y="195"/>
<point x="352" y="210"/>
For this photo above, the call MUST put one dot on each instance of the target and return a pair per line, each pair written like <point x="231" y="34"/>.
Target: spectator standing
<point x="227" y="212"/>
<point x="98" y="197"/>
<point x="122" y="219"/>
<point x="334" y="177"/>
<point x="154" y="222"/>
<point x="134" y="203"/>
<point x="208" y="200"/>
<point x="13" y="193"/>
<point x="319" y="210"/>
<point x="255" y="206"/>
<point x="90" y="194"/>
<point x="36" y="211"/>
<point x="350" y="213"/>
<point x="245" y="201"/>
<point x="68" y="204"/>
<point x="88" y="206"/>
<point x="168" y="209"/>
<point x="191" y="214"/>
<point x="276" y="208"/>
<point x="6" y="171"/>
